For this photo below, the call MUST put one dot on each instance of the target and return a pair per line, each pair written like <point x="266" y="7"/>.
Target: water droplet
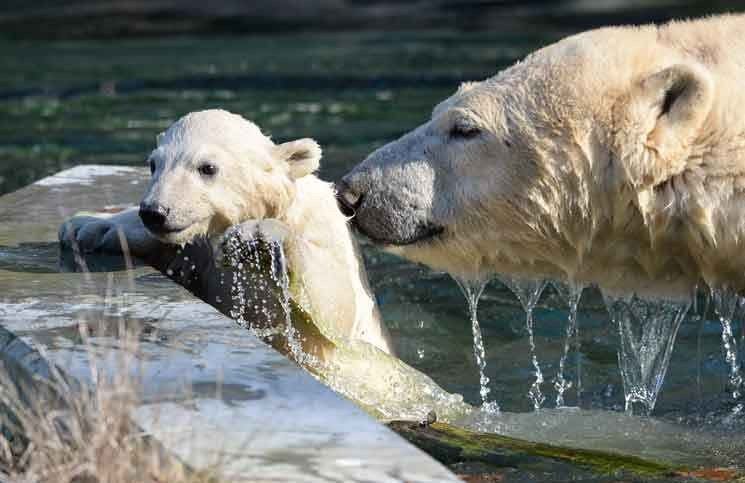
<point x="528" y="292"/>
<point x="472" y="290"/>
<point x="726" y="303"/>
<point x="571" y="294"/>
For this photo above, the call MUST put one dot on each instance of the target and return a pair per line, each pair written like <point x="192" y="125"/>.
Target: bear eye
<point x="207" y="169"/>
<point x="152" y="166"/>
<point x="461" y="131"/>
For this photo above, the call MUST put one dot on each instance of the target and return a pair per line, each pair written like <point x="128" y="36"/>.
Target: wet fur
<point x="585" y="169"/>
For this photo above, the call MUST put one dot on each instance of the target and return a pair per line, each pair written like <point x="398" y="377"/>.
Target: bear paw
<point x="247" y="236"/>
<point x="89" y="234"/>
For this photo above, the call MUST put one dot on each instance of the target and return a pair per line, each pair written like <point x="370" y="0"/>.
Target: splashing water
<point x="529" y="292"/>
<point x="245" y="257"/>
<point x="647" y="330"/>
<point x="571" y="293"/>
<point x="281" y="275"/>
<point x="725" y="304"/>
<point x="472" y="290"/>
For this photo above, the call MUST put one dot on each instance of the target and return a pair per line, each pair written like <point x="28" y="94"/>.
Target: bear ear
<point x="302" y="156"/>
<point x="674" y="102"/>
<point x="159" y="138"/>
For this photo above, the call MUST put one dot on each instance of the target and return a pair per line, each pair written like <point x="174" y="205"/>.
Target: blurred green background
<point x="94" y="81"/>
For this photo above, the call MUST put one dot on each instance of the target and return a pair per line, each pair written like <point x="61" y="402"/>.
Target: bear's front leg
<point x="114" y="234"/>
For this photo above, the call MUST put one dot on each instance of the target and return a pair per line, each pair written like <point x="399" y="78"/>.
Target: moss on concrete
<point x="451" y="445"/>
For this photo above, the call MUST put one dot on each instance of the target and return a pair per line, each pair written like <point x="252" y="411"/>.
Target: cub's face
<point x="213" y="169"/>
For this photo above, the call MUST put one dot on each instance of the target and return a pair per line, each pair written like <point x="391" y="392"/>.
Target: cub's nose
<point x="153" y="216"/>
<point x="347" y="198"/>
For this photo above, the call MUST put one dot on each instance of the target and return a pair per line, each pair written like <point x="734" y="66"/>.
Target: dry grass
<point x="55" y="430"/>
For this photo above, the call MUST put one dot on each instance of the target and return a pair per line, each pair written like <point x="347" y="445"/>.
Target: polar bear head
<point x="526" y="172"/>
<point x="213" y="169"/>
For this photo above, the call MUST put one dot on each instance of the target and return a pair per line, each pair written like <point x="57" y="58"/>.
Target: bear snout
<point x="154" y="216"/>
<point x="347" y="198"/>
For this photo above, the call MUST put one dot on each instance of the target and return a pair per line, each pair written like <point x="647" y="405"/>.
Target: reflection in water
<point x="36" y="258"/>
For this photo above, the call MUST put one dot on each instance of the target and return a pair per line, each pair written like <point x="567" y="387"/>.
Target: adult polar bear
<point x="615" y="157"/>
<point x="213" y="170"/>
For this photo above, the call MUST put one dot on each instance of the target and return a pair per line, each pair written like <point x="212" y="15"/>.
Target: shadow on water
<point x="48" y="258"/>
<point x="30" y="258"/>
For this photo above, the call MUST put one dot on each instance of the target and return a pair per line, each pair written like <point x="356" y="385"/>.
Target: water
<point x="571" y="293"/>
<point x="281" y="277"/>
<point x="726" y="304"/>
<point x="243" y="258"/>
<point x="258" y="271"/>
<point x="472" y="290"/>
<point x="528" y="292"/>
<point x="647" y="331"/>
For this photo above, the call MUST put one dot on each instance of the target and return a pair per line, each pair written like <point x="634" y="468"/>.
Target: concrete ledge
<point x="211" y="391"/>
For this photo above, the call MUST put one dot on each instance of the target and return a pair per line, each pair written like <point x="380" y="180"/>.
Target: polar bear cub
<point x="213" y="170"/>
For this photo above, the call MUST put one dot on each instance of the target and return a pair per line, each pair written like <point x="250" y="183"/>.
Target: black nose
<point x="347" y="199"/>
<point x="153" y="216"/>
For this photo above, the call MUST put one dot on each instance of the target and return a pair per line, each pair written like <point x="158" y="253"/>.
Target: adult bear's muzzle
<point x="347" y="199"/>
<point x="390" y="213"/>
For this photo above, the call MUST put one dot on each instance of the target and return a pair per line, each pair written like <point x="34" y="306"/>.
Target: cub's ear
<point x="159" y="138"/>
<point x="302" y="156"/>
<point x="671" y="106"/>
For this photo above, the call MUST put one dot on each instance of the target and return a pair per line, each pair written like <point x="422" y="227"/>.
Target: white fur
<point x="258" y="180"/>
<point x="579" y="172"/>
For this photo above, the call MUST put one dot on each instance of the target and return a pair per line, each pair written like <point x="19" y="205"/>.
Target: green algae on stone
<point x="450" y="445"/>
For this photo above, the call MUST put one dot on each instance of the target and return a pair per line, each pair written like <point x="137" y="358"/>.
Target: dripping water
<point x="725" y="304"/>
<point x="571" y="293"/>
<point x="700" y="313"/>
<point x="244" y="257"/>
<point x="528" y="293"/>
<point x="472" y="290"/>
<point x="281" y="276"/>
<point x="647" y="331"/>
